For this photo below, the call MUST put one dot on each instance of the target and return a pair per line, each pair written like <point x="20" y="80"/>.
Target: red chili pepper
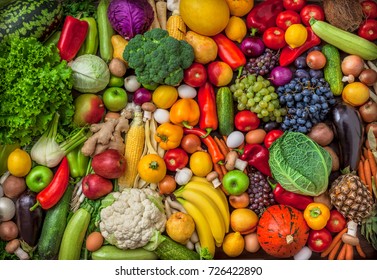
<point x="229" y="52"/>
<point x="295" y="200"/>
<point x="207" y="105"/>
<point x="50" y="195"/>
<point x="257" y="156"/>
<point x="213" y="148"/>
<point x="264" y="15"/>
<point x="72" y="37"/>
<point x="288" y="55"/>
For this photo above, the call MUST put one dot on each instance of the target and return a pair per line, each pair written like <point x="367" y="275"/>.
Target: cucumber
<point x="74" y="233"/>
<point x="110" y="252"/>
<point x="53" y="227"/>
<point x="332" y="71"/>
<point x="105" y="31"/>
<point x="171" y="250"/>
<point x="225" y="110"/>
<point x="344" y="40"/>
<point x="37" y="18"/>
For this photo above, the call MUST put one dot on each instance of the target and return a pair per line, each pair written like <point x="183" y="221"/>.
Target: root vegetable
<point x="117" y="67"/>
<point x="334" y="157"/>
<point x="8" y="230"/>
<point x="322" y="134"/>
<point x="352" y="65"/>
<point x="161" y="11"/>
<point x="368" y="77"/>
<point x="155" y="23"/>
<point x="14" y="186"/>
<point x="191" y="143"/>
<point x="131" y="84"/>
<point x="7" y="209"/>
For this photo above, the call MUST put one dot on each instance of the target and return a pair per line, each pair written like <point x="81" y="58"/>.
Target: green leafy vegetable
<point x="82" y="8"/>
<point x="34" y="84"/>
<point x="299" y="164"/>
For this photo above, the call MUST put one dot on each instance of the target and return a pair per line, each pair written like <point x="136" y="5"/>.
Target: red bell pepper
<point x="257" y="156"/>
<point x="264" y="14"/>
<point x="72" y="37"/>
<point x="288" y="55"/>
<point x="50" y="195"/>
<point x="213" y="148"/>
<point x="295" y="200"/>
<point x="207" y="105"/>
<point x="229" y="52"/>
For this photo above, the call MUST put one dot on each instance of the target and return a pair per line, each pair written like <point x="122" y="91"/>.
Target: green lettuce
<point x="299" y="164"/>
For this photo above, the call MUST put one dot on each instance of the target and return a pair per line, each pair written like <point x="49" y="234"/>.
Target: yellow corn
<point x="134" y="146"/>
<point x="176" y="27"/>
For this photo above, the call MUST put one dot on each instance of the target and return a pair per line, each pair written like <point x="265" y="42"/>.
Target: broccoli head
<point x="158" y="58"/>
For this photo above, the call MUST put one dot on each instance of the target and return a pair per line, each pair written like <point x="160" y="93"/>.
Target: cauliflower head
<point x="133" y="217"/>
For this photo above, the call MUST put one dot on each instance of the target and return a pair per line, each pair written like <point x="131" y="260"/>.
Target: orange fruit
<point x="243" y="220"/>
<point x="236" y="29"/>
<point x="19" y="163"/>
<point x="200" y="163"/>
<point x="164" y="96"/>
<point x="240" y="7"/>
<point x="233" y="244"/>
<point x="355" y="94"/>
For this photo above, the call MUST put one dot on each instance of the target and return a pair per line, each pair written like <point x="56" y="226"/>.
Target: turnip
<point x="131" y="84"/>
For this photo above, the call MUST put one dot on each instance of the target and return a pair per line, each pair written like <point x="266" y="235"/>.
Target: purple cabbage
<point x="130" y="17"/>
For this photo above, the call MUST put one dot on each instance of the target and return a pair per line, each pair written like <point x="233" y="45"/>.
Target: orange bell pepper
<point x="185" y="112"/>
<point x="169" y="135"/>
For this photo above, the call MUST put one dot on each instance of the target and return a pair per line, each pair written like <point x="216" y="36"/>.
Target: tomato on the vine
<point x="287" y="18"/>
<point x="311" y="11"/>
<point x="246" y="120"/>
<point x="294" y="5"/>
<point x="273" y="38"/>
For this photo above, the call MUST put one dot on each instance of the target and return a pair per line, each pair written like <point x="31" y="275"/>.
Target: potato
<point x="8" y="230"/>
<point x="323" y="198"/>
<point x="322" y="134"/>
<point x="117" y="67"/>
<point x="335" y="159"/>
<point x="14" y="186"/>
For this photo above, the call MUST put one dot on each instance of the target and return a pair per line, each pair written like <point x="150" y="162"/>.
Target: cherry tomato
<point x="319" y="240"/>
<point x="368" y="29"/>
<point x="310" y="11"/>
<point x="246" y="121"/>
<point x="287" y="18"/>
<point x="316" y="60"/>
<point x="337" y="222"/>
<point x="369" y="9"/>
<point x="273" y="38"/>
<point x="195" y="75"/>
<point x="294" y="5"/>
<point x="271" y="136"/>
<point x="175" y="159"/>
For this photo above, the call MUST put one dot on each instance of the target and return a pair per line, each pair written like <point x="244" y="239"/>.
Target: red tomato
<point x="271" y="136"/>
<point x="310" y="11"/>
<point x="319" y="240"/>
<point x="337" y="222"/>
<point x="368" y="29"/>
<point x="175" y="159"/>
<point x="273" y="38"/>
<point x="294" y="5"/>
<point x="195" y="75"/>
<point x="246" y="121"/>
<point x="287" y="18"/>
<point x="369" y="9"/>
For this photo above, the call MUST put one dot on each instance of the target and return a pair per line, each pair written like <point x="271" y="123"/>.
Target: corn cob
<point x="134" y="145"/>
<point x="176" y="27"/>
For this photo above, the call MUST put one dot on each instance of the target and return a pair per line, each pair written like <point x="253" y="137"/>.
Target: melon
<point x="206" y="17"/>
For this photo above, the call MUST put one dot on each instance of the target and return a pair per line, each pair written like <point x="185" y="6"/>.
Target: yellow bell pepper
<point x="185" y="112"/>
<point x="168" y="135"/>
<point x="316" y="215"/>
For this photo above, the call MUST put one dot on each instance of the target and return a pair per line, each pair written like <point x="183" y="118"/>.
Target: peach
<point x="219" y="73"/>
<point x="243" y="220"/>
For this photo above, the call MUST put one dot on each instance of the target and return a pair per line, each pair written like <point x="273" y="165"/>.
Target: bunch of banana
<point x="208" y="206"/>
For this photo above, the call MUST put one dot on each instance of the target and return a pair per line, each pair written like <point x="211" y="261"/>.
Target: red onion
<point x="280" y="75"/>
<point x="141" y="96"/>
<point x="252" y="46"/>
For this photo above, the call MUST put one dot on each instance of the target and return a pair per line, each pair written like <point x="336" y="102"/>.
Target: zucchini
<point x="332" y="71"/>
<point x="37" y="19"/>
<point x="74" y="233"/>
<point x="53" y="227"/>
<point x="110" y="252"/>
<point x="344" y="40"/>
<point x="105" y="31"/>
<point x="225" y="110"/>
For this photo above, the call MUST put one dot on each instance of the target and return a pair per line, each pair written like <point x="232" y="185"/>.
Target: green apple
<point x="115" y="99"/>
<point x="116" y="81"/>
<point x="235" y="182"/>
<point x="38" y="178"/>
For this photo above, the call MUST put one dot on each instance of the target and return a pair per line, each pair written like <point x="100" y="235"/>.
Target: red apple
<point x="95" y="186"/>
<point x="368" y="111"/>
<point x="89" y="109"/>
<point x="219" y="73"/>
<point x="195" y="75"/>
<point x="109" y="164"/>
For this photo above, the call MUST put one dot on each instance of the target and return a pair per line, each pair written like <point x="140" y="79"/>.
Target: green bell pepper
<point x="78" y="163"/>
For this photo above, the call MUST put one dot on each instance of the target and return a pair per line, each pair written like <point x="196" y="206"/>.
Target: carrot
<point x="223" y="169"/>
<point x="342" y="253"/>
<point x="333" y="242"/>
<point x="362" y="158"/>
<point x="368" y="173"/>
<point x="349" y="252"/>
<point x="361" y="172"/>
<point x="225" y="145"/>
<point x="360" y="251"/>
<point x="372" y="162"/>
<point x="335" y="250"/>
<point x="221" y="146"/>
<point x="365" y="153"/>
<point x="240" y="147"/>
<point x="161" y="8"/>
<point x="217" y="168"/>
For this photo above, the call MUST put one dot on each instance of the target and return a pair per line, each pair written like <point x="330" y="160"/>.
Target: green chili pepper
<point x="78" y="163"/>
<point x="90" y="45"/>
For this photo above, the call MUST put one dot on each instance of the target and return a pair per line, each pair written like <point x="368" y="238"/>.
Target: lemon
<point x="164" y="96"/>
<point x="233" y="244"/>
<point x="296" y="35"/>
<point x="200" y="163"/>
<point x="240" y="7"/>
<point x="355" y="94"/>
<point x="19" y="163"/>
<point x="236" y="29"/>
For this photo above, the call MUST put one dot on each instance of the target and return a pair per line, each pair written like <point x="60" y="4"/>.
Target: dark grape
<point x="300" y="62"/>
<point x="263" y="64"/>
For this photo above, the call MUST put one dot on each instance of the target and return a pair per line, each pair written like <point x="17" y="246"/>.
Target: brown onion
<point x="368" y="77"/>
<point x="191" y="143"/>
<point x="352" y="65"/>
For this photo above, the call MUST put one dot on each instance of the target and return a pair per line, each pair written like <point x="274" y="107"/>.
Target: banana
<point x="200" y="179"/>
<point x="216" y="195"/>
<point x="201" y="225"/>
<point x="210" y="211"/>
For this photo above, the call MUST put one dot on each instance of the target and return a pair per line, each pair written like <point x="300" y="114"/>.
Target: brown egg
<point x="94" y="241"/>
<point x="255" y="136"/>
